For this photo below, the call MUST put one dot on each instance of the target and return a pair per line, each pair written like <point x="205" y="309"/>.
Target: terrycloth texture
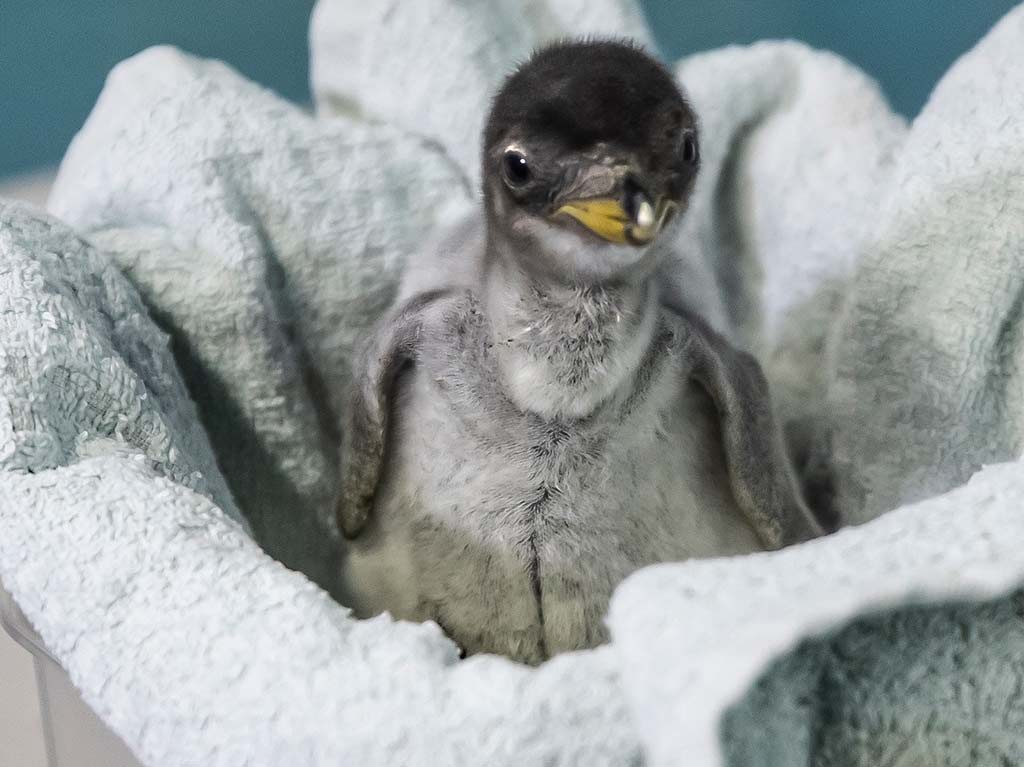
<point x="265" y="241"/>
<point x="796" y="146"/>
<point x="909" y="686"/>
<point x="368" y="59"/>
<point x="83" y="366"/>
<point x="928" y="378"/>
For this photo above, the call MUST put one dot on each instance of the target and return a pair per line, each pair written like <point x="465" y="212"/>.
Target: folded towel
<point x="927" y="374"/>
<point x="430" y="67"/>
<point x="264" y="241"/>
<point x="84" y="368"/>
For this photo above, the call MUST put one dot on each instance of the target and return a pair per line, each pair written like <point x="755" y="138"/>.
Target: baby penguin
<point x="540" y="426"/>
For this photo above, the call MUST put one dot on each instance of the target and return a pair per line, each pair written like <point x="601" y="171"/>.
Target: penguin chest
<point x="512" y="532"/>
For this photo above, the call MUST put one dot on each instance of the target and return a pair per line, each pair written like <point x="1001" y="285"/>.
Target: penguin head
<point x="589" y="152"/>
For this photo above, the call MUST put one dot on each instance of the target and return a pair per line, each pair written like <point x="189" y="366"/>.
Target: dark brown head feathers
<point x="584" y="91"/>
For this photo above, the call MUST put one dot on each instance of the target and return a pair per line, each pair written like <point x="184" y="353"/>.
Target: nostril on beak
<point x="637" y="204"/>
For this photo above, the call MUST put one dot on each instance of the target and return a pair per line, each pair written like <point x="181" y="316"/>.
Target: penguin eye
<point x="690" y="154"/>
<point x="516" y="168"/>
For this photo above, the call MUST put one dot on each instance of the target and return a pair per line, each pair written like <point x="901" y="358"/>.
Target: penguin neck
<point x="564" y="349"/>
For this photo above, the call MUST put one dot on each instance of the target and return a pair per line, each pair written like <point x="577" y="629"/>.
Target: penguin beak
<point x="607" y="202"/>
<point x="608" y="218"/>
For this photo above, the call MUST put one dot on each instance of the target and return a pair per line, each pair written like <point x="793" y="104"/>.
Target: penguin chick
<point x="519" y="441"/>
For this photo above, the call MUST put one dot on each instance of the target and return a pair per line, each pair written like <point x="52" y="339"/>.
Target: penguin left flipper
<point x="392" y="346"/>
<point x="760" y="472"/>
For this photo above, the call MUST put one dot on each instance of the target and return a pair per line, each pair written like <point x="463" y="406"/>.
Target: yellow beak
<point x="606" y="218"/>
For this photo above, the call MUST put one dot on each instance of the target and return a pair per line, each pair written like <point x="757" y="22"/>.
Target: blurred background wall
<point x="54" y="54"/>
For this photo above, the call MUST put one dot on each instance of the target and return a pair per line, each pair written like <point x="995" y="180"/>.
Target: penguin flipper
<point x="762" y="477"/>
<point x="390" y="349"/>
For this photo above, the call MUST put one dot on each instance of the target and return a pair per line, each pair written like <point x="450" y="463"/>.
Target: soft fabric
<point x="430" y="67"/>
<point x="927" y="377"/>
<point x="266" y="242"/>
<point x="85" y="370"/>
<point x="869" y="264"/>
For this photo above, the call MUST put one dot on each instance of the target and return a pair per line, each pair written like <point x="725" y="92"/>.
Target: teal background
<point x="54" y="54"/>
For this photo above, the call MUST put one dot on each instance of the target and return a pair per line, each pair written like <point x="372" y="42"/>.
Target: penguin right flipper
<point x="390" y="349"/>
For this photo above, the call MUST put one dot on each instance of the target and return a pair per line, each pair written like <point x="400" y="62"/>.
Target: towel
<point x="216" y="253"/>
